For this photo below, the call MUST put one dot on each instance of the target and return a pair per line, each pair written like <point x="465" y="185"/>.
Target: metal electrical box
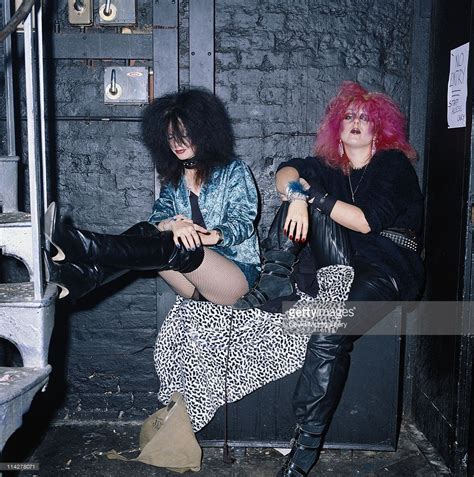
<point x="126" y="85"/>
<point x="80" y="12"/>
<point x="117" y="12"/>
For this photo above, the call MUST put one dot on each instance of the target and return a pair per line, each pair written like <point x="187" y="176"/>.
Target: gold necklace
<point x="354" y="191"/>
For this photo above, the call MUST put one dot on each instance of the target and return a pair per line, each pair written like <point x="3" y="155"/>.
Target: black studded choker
<point x="190" y="163"/>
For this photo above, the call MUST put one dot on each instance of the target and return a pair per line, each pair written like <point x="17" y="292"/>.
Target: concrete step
<point x="18" y="387"/>
<point x="17" y="294"/>
<point x="15" y="237"/>
<point x="26" y="322"/>
<point x="15" y="217"/>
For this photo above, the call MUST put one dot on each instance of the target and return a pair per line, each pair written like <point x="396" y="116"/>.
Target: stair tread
<point x="17" y="381"/>
<point x="14" y="292"/>
<point x="23" y="293"/>
<point x="15" y="218"/>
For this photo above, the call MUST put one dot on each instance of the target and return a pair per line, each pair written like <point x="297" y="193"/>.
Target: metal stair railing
<point x="35" y="118"/>
<point x="36" y="149"/>
<point x="26" y="309"/>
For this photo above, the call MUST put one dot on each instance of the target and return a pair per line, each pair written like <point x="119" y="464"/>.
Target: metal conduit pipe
<point x="22" y="12"/>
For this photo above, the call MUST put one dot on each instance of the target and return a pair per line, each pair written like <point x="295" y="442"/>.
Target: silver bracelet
<point x="220" y="235"/>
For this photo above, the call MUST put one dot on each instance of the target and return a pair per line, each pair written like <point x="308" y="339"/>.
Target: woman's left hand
<point x="296" y="223"/>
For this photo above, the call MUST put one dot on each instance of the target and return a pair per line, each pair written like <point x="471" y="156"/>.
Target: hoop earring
<point x="341" y="148"/>
<point x="374" y="147"/>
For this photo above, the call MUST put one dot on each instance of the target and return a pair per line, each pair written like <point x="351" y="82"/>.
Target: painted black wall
<point x="277" y="64"/>
<point x="442" y="365"/>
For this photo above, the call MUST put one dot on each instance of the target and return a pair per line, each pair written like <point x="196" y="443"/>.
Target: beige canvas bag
<point x="167" y="439"/>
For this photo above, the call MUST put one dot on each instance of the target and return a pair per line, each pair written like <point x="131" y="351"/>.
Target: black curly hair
<point x="194" y="115"/>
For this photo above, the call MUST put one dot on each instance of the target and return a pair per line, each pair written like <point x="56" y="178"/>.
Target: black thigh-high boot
<point x="327" y="360"/>
<point x="143" y="247"/>
<point x="279" y="255"/>
<point x="91" y="270"/>
<point x="78" y="279"/>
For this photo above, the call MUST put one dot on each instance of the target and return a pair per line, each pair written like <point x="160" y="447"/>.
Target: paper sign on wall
<point x="457" y="87"/>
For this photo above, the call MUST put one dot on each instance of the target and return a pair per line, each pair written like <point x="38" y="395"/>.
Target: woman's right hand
<point x="186" y="232"/>
<point x="297" y="221"/>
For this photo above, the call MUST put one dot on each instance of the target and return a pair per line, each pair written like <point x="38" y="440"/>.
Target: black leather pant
<point x="327" y="361"/>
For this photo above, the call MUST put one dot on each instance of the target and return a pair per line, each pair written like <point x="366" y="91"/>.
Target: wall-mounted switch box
<point x="126" y="85"/>
<point x="117" y="12"/>
<point x="80" y="12"/>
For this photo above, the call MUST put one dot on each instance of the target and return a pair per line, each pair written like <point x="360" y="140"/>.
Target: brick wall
<point x="279" y="62"/>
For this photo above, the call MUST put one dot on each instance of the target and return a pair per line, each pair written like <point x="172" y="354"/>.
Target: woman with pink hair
<point x="356" y="203"/>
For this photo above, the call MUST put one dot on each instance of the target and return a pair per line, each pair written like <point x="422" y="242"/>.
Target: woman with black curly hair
<point x="200" y="236"/>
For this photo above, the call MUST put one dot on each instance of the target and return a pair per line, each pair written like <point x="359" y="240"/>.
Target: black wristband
<point x="322" y="201"/>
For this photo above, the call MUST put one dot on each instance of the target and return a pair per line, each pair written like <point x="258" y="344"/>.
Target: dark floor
<point x="78" y="450"/>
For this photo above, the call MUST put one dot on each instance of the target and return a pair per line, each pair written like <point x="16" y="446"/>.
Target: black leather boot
<point x="78" y="279"/>
<point x="303" y="455"/>
<point x="143" y="247"/>
<point x="316" y="396"/>
<point x="279" y="256"/>
<point x="329" y="241"/>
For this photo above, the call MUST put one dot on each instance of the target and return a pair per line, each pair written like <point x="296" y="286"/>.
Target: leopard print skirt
<point x="200" y="343"/>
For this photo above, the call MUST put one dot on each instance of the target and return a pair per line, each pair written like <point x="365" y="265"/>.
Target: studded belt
<point x="404" y="238"/>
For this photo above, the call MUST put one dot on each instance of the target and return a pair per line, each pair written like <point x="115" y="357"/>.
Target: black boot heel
<point x="303" y="455"/>
<point x="69" y="243"/>
<point x="50" y="220"/>
<point x="52" y="276"/>
<point x="75" y="280"/>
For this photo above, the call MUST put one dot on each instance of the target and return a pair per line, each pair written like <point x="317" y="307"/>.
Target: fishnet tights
<point x="217" y="279"/>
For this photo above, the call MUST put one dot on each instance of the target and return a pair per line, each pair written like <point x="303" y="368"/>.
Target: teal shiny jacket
<point x="228" y="202"/>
